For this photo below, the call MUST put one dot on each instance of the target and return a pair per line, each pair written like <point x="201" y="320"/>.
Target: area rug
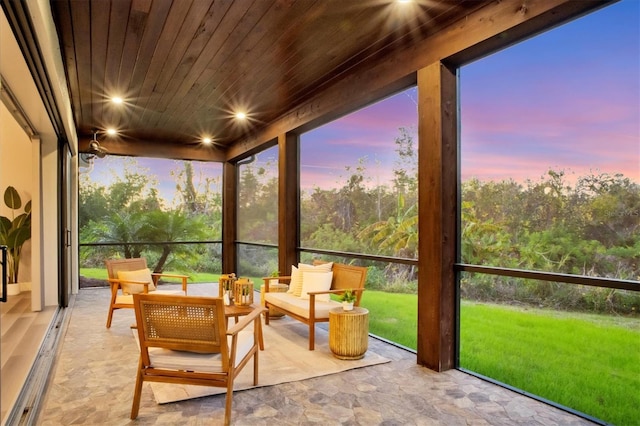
<point x="286" y="358"/>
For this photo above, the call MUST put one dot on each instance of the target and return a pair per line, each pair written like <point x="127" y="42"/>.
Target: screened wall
<point x="550" y="182"/>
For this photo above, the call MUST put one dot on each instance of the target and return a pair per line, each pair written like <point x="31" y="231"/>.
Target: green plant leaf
<point x="22" y="221"/>
<point x="12" y="198"/>
<point x="5" y="226"/>
<point x="18" y="237"/>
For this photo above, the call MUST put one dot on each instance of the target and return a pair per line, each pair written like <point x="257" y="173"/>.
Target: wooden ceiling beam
<point x="156" y="149"/>
<point x="488" y="28"/>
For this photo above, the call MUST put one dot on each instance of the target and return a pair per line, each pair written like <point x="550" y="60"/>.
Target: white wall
<point x="43" y="154"/>
<point x="16" y="170"/>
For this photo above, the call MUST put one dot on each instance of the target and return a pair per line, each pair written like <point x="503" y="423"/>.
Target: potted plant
<point x="347" y="299"/>
<point x="14" y="231"/>
<point x="274" y="274"/>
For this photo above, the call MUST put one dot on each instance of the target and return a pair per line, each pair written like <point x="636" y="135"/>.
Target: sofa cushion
<point x="300" y="306"/>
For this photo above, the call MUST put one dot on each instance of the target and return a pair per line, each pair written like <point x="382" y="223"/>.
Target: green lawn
<point x="590" y="363"/>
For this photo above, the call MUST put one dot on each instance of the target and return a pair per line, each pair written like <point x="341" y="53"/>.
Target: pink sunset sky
<point x="567" y="99"/>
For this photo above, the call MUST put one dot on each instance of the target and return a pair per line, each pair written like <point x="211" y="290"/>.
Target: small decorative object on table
<point x="348" y="298"/>
<point x="243" y="292"/>
<point x="226" y="287"/>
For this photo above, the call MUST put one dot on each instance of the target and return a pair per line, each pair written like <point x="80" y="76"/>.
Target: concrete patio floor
<point x="94" y="373"/>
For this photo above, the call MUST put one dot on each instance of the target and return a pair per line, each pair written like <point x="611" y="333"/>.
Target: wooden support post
<point x="229" y="217"/>
<point x="437" y="206"/>
<point x="288" y="201"/>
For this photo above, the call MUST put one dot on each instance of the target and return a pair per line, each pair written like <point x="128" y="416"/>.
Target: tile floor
<point x="93" y="381"/>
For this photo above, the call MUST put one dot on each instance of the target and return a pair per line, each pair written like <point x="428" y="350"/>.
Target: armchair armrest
<point x="232" y="332"/>
<point x="280" y="277"/>
<point x="312" y="296"/>
<point x="267" y="280"/>
<point x="162" y="274"/>
<point x="117" y="283"/>
<point x="339" y="291"/>
<point x="157" y="275"/>
<point x="245" y="320"/>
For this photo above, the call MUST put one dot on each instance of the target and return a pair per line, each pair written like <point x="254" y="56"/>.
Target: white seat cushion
<point x="300" y="306"/>
<point x="191" y="361"/>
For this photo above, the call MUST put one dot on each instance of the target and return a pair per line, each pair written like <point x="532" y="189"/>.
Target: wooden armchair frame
<point x="194" y="327"/>
<point x="119" y="300"/>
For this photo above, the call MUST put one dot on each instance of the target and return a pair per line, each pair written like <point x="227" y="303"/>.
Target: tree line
<point x="130" y="218"/>
<point x="588" y="225"/>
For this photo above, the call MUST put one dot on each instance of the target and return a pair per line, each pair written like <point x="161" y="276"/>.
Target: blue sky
<point x="566" y="99"/>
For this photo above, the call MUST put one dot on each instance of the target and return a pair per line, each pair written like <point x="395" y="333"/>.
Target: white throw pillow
<point x="302" y="267"/>
<point x="316" y="281"/>
<point x="143" y="275"/>
<point x="296" y="277"/>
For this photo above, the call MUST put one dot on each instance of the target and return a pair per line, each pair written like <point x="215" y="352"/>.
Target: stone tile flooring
<point x="94" y="375"/>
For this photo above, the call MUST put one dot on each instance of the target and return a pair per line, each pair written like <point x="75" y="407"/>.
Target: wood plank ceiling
<point x="185" y="67"/>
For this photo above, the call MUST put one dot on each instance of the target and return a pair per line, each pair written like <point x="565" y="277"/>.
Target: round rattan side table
<point x="349" y="332"/>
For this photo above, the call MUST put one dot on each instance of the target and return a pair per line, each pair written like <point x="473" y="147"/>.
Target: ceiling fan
<point x="95" y="148"/>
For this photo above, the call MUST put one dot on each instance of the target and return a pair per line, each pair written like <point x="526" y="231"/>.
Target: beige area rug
<point x="286" y="358"/>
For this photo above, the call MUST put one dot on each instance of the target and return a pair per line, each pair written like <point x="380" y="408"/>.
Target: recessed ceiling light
<point x="116" y="100"/>
<point x="111" y="131"/>
<point x="207" y="140"/>
<point x="241" y="115"/>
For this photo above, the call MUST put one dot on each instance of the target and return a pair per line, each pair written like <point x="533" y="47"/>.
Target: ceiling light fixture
<point x="241" y="115"/>
<point x="111" y="131"/>
<point x="207" y="140"/>
<point x="116" y="100"/>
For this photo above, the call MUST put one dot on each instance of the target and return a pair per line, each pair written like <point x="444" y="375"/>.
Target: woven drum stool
<point x="349" y="332"/>
<point x="273" y="287"/>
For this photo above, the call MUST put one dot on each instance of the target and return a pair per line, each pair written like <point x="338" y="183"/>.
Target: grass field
<point x="590" y="363"/>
